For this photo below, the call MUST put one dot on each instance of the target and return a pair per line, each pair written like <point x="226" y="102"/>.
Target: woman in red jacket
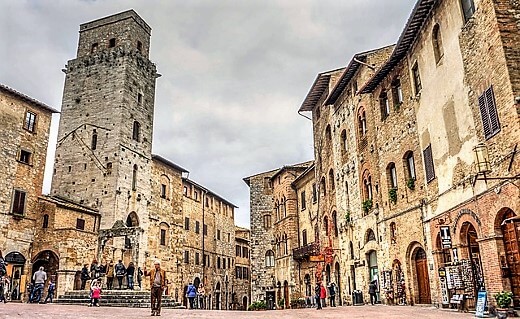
<point x="323" y="295"/>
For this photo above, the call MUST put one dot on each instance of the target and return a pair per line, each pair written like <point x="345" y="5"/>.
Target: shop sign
<point x="442" y="272"/>
<point x="15" y="258"/>
<point x="481" y="304"/>
<point x="318" y="258"/>
<point x="445" y="237"/>
<point x="444" y="291"/>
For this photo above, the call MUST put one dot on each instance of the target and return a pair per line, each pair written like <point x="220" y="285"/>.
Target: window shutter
<point x="428" y="163"/>
<point x="488" y="113"/>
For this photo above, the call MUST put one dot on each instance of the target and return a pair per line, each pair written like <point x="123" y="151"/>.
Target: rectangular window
<point x="185" y="191"/>
<point x="224" y="263"/>
<point x="163" y="237"/>
<point x="196" y="195"/>
<point x="428" y="164"/>
<point x="304" y="204"/>
<point x="304" y="237"/>
<point x="163" y="191"/>
<point x="18" y="203"/>
<point x="314" y="197"/>
<point x="488" y="113"/>
<point x="468" y="8"/>
<point x="397" y="93"/>
<point x="139" y="98"/>
<point x="205" y="230"/>
<point x="229" y="237"/>
<point x="112" y="43"/>
<point x="267" y="221"/>
<point x="25" y="157"/>
<point x="186" y="223"/>
<point x="238" y="251"/>
<point x="245" y="252"/>
<point x="186" y="257"/>
<point x="197" y="227"/>
<point x="197" y="256"/>
<point x="218" y="234"/>
<point x="416" y="78"/>
<point x="30" y="121"/>
<point x="80" y="224"/>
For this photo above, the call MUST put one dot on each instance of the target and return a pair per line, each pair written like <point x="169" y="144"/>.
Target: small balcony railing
<point x="306" y="251"/>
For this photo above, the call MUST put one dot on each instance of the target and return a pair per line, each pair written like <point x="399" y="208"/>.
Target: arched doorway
<point x="423" y="281"/>
<point x="373" y="271"/>
<point x="509" y="225"/>
<point x="327" y="275"/>
<point x="132" y="220"/>
<point x="471" y="266"/>
<point x="15" y="268"/>
<point x="286" y="294"/>
<point x="337" y="274"/>
<point x="308" y="287"/>
<point x="244" y="303"/>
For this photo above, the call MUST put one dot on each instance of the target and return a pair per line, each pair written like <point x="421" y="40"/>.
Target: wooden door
<point x="511" y="234"/>
<point x="423" y="282"/>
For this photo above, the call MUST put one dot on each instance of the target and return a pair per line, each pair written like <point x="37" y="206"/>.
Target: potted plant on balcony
<point x="411" y="183"/>
<point x="348" y="218"/>
<point x="503" y="299"/>
<point x="392" y="194"/>
<point x="367" y="205"/>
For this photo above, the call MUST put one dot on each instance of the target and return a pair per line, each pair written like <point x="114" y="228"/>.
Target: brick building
<point x="445" y="96"/>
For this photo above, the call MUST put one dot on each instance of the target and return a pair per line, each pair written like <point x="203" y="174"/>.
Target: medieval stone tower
<point x="103" y="156"/>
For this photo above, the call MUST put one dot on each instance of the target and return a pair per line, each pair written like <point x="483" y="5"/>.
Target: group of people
<point x="36" y="290"/>
<point x="111" y="271"/>
<point x="320" y="293"/>
<point x="196" y="296"/>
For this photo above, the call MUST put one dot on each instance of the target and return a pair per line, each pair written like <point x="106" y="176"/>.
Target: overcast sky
<point x="234" y="73"/>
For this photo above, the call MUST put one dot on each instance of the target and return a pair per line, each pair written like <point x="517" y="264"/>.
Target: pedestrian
<point x="84" y="276"/>
<point x="120" y="271"/>
<point x="332" y="294"/>
<point x="110" y="275"/>
<point x="201" y="294"/>
<point x="323" y="295"/>
<point x="50" y="291"/>
<point x="29" y="289"/>
<point x="372" y="291"/>
<point x="191" y="293"/>
<point x="94" y="269"/>
<point x="317" y="294"/>
<point x="39" y="277"/>
<point x="3" y="272"/>
<point x="130" y="270"/>
<point x="157" y="284"/>
<point x="139" y="277"/>
<point x="95" y="293"/>
<point x="4" y="289"/>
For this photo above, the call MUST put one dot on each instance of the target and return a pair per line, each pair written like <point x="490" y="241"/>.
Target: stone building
<point x="111" y="198"/>
<point x="274" y="232"/>
<point x="446" y="95"/>
<point x="24" y="137"/>
<point x="242" y="290"/>
<point x="209" y="247"/>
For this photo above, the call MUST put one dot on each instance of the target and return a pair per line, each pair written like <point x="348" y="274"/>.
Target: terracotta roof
<point x="169" y="163"/>
<point x="318" y="87"/>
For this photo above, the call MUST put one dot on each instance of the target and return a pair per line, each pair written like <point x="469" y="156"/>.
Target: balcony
<point x="305" y="252"/>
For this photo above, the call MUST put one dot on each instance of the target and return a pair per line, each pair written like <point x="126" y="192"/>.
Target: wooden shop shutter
<point x="488" y="113"/>
<point x="428" y="163"/>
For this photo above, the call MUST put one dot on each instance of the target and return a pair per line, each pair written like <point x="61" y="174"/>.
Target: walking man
<point x="317" y="293"/>
<point x="372" y="291"/>
<point x="120" y="271"/>
<point x="110" y="275"/>
<point x="84" y="276"/>
<point x="332" y="294"/>
<point x="157" y="284"/>
<point x="191" y="293"/>
<point x="39" y="277"/>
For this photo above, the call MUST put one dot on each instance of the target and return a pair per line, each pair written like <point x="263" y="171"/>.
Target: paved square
<point x="53" y="311"/>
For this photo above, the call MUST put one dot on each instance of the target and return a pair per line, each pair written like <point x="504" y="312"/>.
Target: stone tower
<point x="103" y="156"/>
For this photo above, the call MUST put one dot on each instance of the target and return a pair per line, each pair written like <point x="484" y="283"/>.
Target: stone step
<point x="117" y="298"/>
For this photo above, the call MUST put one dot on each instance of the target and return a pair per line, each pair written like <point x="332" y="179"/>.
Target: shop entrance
<point x="15" y="269"/>
<point x="373" y="270"/>
<point x="511" y="230"/>
<point x="423" y="281"/>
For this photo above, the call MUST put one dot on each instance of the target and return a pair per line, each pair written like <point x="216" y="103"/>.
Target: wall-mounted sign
<point x="318" y="258"/>
<point x="445" y="237"/>
<point x="442" y="272"/>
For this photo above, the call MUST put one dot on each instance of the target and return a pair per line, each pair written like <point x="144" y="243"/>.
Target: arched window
<point x="93" y="142"/>
<point x="362" y="123"/>
<point x="136" y="132"/>
<point x="164" y="230"/>
<point x="384" y="105"/>
<point x="304" y="237"/>
<point x="284" y="203"/>
<point x="351" y="246"/>
<point x="323" y="188"/>
<point x="391" y="174"/>
<point x="335" y="223"/>
<point x="45" y="223"/>
<point x="437" y="43"/>
<point x="397" y="93"/>
<point x="134" y="178"/>
<point x="393" y="230"/>
<point x="132" y="220"/>
<point x="326" y="225"/>
<point x="286" y="244"/>
<point x="269" y="258"/>
<point x="370" y="236"/>
<point x="277" y="210"/>
<point x="165" y="186"/>
<point x="328" y="133"/>
<point x="409" y="164"/>
<point x="367" y="185"/>
<point x="344" y="144"/>
<point x="331" y="179"/>
<point x="139" y="46"/>
<point x="316" y="233"/>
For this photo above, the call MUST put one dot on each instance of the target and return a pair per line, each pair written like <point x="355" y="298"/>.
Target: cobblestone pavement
<point x="53" y="311"/>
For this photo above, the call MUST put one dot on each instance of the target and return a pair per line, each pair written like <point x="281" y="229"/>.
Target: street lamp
<point x="483" y="166"/>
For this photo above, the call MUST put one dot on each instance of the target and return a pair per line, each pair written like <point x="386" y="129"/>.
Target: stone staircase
<point x="117" y="298"/>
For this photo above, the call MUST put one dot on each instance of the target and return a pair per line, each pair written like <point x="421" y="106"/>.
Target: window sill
<point x="25" y="163"/>
<point x="28" y="130"/>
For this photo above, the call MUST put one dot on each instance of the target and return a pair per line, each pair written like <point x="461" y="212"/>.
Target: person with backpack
<point x="120" y="271"/>
<point x="191" y="293"/>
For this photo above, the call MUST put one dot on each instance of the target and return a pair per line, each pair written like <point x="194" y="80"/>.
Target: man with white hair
<point x="39" y="277"/>
<point x="157" y="285"/>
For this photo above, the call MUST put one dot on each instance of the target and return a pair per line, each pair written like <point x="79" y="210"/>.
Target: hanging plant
<point x="392" y="194"/>
<point x="348" y="219"/>
<point x="367" y="205"/>
<point x="411" y="183"/>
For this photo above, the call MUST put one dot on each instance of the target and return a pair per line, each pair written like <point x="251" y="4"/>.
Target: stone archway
<point x="286" y="294"/>
<point x="422" y="277"/>
<point x="50" y="263"/>
<point x="508" y="224"/>
<point x="244" y="303"/>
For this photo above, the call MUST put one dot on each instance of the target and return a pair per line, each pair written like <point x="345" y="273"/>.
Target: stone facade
<point x="24" y="137"/>
<point x="242" y="288"/>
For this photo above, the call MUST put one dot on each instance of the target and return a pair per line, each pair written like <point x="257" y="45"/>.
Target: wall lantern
<point x="481" y="159"/>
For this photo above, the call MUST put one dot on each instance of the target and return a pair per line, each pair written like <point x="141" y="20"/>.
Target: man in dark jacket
<point x="120" y="271"/>
<point x="372" y="291"/>
<point x="317" y="293"/>
<point x="84" y="276"/>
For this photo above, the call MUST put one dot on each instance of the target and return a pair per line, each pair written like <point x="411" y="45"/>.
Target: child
<point x="95" y="293"/>
<point x="50" y="291"/>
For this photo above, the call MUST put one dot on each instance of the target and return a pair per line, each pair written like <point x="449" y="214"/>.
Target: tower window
<point x="139" y="46"/>
<point x="416" y="78"/>
<point x="437" y="43"/>
<point x="18" y="203"/>
<point x="112" y="43"/>
<point x="25" y="157"/>
<point x="163" y="237"/>
<point x="94" y="47"/>
<point x="45" y="223"/>
<point x="139" y="98"/>
<point x="136" y="131"/>
<point x="30" y="121"/>
<point x="93" y="143"/>
<point x="134" y="178"/>
<point x="80" y="224"/>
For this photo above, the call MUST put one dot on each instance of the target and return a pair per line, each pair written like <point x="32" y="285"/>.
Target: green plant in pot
<point x="504" y="299"/>
<point x="367" y="205"/>
<point x="392" y="194"/>
<point x="411" y="183"/>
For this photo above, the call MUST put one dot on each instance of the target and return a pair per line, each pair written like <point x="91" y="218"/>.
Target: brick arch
<point x="466" y="215"/>
<point x="503" y="214"/>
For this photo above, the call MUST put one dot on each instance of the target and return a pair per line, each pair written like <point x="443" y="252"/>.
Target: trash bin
<point x="357" y="297"/>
